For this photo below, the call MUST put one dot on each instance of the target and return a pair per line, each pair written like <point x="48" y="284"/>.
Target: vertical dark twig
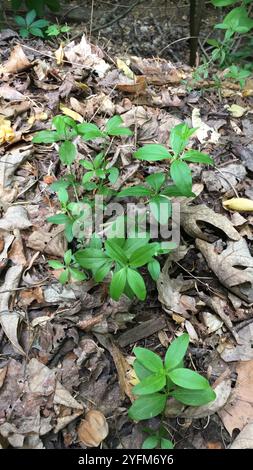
<point x="196" y="12"/>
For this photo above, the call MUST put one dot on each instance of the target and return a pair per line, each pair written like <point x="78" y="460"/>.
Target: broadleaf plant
<point x="160" y="380"/>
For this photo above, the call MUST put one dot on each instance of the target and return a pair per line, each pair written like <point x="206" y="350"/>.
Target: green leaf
<point x="102" y="271"/>
<point x="86" y="164"/>
<point x="40" y="23"/>
<point x="197" y="157"/>
<point x="30" y="17"/>
<point x="156" y="180"/>
<point x="179" y="137"/>
<point x="154" y="269"/>
<point x="181" y="175"/>
<point x="148" y="359"/>
<point x="87" y="177"/>
<point x="135" y="242"/>
<point x="189" y="379"/>
<point x="68" y="257"/>
<point x="67" y="152"/>
<point x="171" y="191"/>
<point x="76" y="274"/>
<point x="160" y="208"/>
<point x="166" y="444"/>
<point x="45" y="137"/>
<point x="135" y="191"/>
<point x="64" y="276"/>
<point x="150" y="442"/>
<point x="68" y="230"/>
<point x="118" y="283"/>
<point x="137" y="284"/>
<point x="90" y="258"/>
<point x="223" y="3"/>
<point x="63" y="195"/>
<point x="147" y="407"/>
<point x="20" y="21"/>
<point x="55" y="264"/>
<point x="36" y="32"/>
<point x="237" y="20"/>
<point x="114" y="127"/>
<point x="152" y="153"/>
<point x="24" y="32"/>
<point x="176" y="351"/>
<point x="140" y="370"/>
<point x="153" y="383"/>
<point x="89" y="131"/>
<point x="194" y="397"/>
<point x="58" y="219"/>
<point x="115" y="252"/>
<point x="113" y="174"/>
<point x="143" y="255"/>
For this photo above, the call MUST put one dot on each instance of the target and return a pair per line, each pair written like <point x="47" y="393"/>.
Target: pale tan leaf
<point x="94" y="429"/>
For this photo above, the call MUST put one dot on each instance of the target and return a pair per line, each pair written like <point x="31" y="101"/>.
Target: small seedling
<point x="238" y="74"/>
<point x="160" y="380"/>
<point x="179" y="171"/>
<point x="69" y="268"/>
<point x="28" y="25"/>
<point x="56" y="30"/>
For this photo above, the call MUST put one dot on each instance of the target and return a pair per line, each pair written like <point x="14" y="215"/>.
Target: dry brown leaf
<point x="17" y="61"/>
<point x="242" y="351"/>
<point x="87" y="55"/>
<point x="27" y="297"/>
<point x="9" y="163"/>
<point x="204" y="132"/>
<point x="53" y="243"/>
<point x="10" y="319"/>
<point x="16" y="253"/>
<point x="158" y="71"/>
<point x="10" y="94"/>
<point x="16" y="217"/>
<point x="94" y="429"/>
<point x="3" y="372"/>
<point x="238" y="412"/>
<point x="192" y="215"/>
<point x="138" y="87"/>
<point x="233" y="266"/>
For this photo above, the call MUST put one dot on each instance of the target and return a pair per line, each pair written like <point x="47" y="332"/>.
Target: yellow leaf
<point x="125" y="69"/>
<point x="236" y="110"/>
<point x="240" y="204"/>
<point x="71" y="113"/>
<point x="59" y="54"/>
<point x="6" y="132"/>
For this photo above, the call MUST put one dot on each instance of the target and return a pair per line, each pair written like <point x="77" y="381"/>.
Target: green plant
<point x="56" y="30"/>
<point x="238" y="74"/>
<point x="38" y="5"/>
<point x="179" y="171"/>
<point x="28" y="25"/>
<point x="69" y="268"/>
<point x="123" y="257"/>
<point x="160" y="380"/>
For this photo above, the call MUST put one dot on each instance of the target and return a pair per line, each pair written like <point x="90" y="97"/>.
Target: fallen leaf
<point x="10" y="94"/>
<point x="236" y="110"/>
<point x="244" y="440"/>
<point x="6" y="131"/>
<point x="87" y="55"/>
<point x="212" y="322"/>
<point x="122" y="66"/>
<point x="233" y="266"/>
<point x="224" y="179"/>
<point x="16" y="217"/>
<point x="10" y="161"/>
<point x="204" y="132"/>
<point x="94" y="429"/>
<point x="10" y="319"/>
<point x="191" y="216"/>
<point x="69" y="112"/>
<point x="242" y="351"/>
<point x="53" y="243"/>
<point x="59" y="54"/>
<point x="238" y="411"/>
<point x="3" y="372"/>
<point x="17" y="61"/>
<point x="240" y="204"/>
<point x="138" y="87"/>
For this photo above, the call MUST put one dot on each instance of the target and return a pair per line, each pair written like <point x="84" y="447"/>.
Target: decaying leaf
<point x="53" y="243"/>
<point x="237" y="111"/>
<point x="191" y="216"/>
<point x="10" y="319"/>
<point x="238" y="412"/>
<point x="6" y="131"/>
<point x="242" y="351"/>
<point x="9" y="163"/>
<point x="240" y="204"/>
<point x="124" y="68"/>
<point x="224" y="179"/>
<point x="94" y="429"/>
<point x="233" y="266"/>
<point x="204" y="132"/>
<point x="10" y="94"/>
<point x="16" y="217"/>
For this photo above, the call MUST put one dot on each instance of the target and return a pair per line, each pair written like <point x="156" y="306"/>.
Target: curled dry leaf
<point x="238" y="411"/>
<point x="233" y="266"/>
<point x="17" y="61"/>
<point x="224" y="179"/>
<point x="9" y="163"/>
<point x="192" y="215"/>
<point x="242" y="351"/>
<point x="86" y="55"/>
<point x="94" y="429"/>
<point x="10" y="94"/>
<point x="10" y="319"/>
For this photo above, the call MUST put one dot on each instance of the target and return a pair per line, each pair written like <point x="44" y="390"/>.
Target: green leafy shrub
<point x="28" y="25"/>
<point x="160" y="380"/>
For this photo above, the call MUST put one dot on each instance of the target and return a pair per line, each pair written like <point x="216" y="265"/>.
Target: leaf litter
<point x="65" y="350"/>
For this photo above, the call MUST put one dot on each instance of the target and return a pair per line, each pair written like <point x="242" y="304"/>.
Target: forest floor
<point x="67" y="349"/>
